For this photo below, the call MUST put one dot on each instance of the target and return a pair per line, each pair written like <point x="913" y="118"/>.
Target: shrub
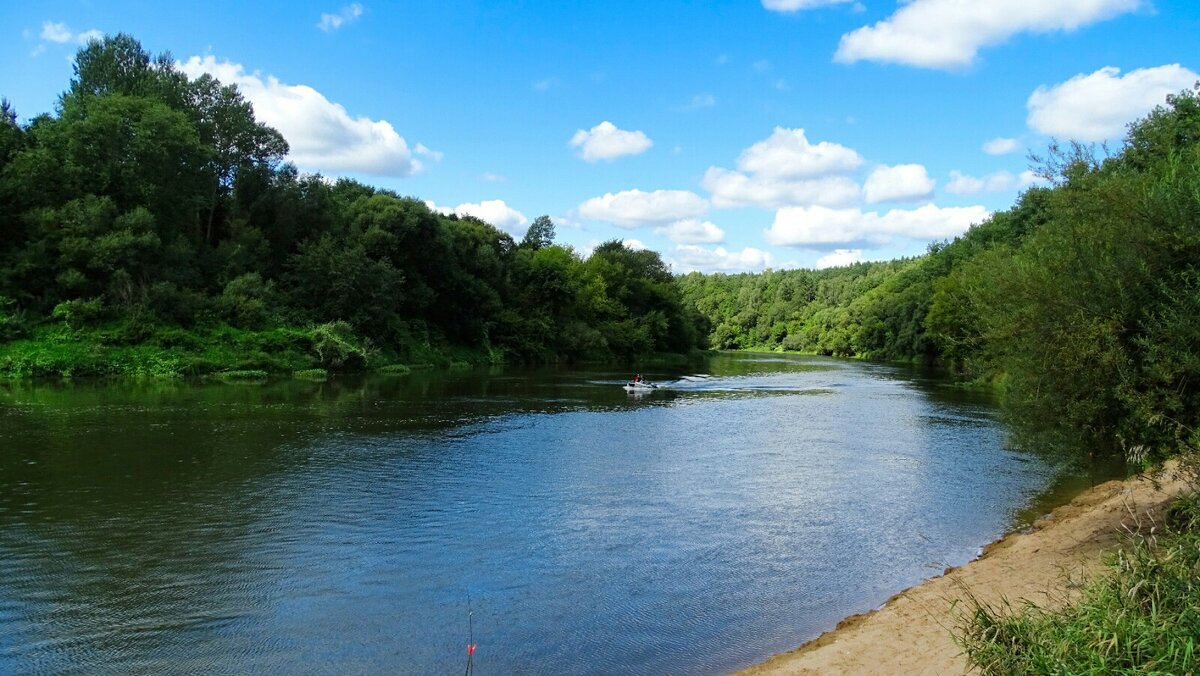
<point x="337" y="348"/>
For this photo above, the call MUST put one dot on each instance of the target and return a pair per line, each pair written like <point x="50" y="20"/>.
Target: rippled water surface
<point x="347" y="527"/>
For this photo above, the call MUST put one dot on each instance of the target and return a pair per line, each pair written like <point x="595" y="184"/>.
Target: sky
<point x="729" y="136"/>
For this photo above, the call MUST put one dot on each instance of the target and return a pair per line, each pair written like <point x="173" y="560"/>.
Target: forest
<point x="150" y="227"/>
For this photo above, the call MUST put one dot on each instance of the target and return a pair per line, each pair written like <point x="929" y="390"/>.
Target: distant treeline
<point x="1081" y="303"/>
<point x="150" y="227"/>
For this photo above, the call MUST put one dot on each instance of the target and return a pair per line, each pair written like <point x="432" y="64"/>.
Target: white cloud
<point x="688" y="258"/>
<point x="820" y="227"/>
<point x="692" y="231"/>
<point x="56" y="32"/>
<point x="606" y="142"/>
<point x="840" y="258"/>
<point x="787" y="153"/>
<point x="797" y="5"/>
<point x="495" y="212"/>
<point x="544" y="85"/>
<point x="948" y="34"/>
<point x="493" y="178"/>
<point x="61" y="33"/>
<point x="1001" y="146"/>
<point x="435" y="155"/>
<point x="348" y="14"/>
<point x="634" y="208"/>
<point x="734" y="189"/>
<point x="901" y="183"/>
<point x="962" y="184"/>
<point x="1097" y="107"/>
<point x="1000" y="181"/>
<point x="1028" y="178"/>
<point x="635" y="244"/>
<point x="322" y="135"/>
<point x="785" y="169"/>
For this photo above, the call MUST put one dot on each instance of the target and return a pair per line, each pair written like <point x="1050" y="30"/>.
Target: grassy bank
<point x="149" y="351"/>
<point x="1142" y="615"/>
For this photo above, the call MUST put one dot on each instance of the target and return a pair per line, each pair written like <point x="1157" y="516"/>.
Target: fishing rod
<point x="470" y="637"/>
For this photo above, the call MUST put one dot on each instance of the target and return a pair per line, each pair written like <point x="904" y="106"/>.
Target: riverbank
<point x="1045" y="564"/>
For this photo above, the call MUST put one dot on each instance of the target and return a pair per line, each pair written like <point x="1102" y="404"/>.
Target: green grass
<point x="1141" y="616"/>
<point x="246" y="375"/>
<point x="311" y="374"/>
<point x="394" y="370"/>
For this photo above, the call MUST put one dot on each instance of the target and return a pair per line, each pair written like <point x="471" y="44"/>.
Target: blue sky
<point x="729" y="136"/>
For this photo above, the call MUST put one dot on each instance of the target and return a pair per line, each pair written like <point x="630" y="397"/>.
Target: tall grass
<point x="1141" y="616"/>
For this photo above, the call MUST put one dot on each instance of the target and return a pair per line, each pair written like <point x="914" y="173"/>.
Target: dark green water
<point x="341" y="527"/>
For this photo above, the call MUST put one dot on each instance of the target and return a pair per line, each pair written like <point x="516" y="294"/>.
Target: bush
<point x="78" y="313"/>
<point x="337" y="348"/>
<point x="311" y="374"/>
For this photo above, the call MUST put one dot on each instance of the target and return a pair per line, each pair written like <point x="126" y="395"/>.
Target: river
<point x="378" y="525"/>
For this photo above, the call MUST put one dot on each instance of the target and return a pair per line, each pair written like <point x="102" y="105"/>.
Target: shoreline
<point x="1045" y="563"/>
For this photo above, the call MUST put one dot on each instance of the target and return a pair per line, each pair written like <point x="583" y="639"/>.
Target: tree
<point x="540" y="234"/>
<point x="237" y="142"/>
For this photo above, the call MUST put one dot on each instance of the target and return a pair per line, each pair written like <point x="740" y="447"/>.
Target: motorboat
<point x="639" y="386"/>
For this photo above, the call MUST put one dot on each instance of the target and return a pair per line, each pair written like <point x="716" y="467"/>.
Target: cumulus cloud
<point x="495" y="212"/>
<point x="797" y="5"/>
<point x="61" y="33"/>
<point x="840" y="258"/>
<point x="634" y="208"/>
<point x="688" y="258"/>
<point x="435" y="155"/>
<point x="901" y="183"/>
<point x="735" y="189"/>
<point x="1001" y="146"/>
<point x="323" y="136"/>
<point x="348" y="14"/>
<point x="692" y="231"/>
<point x="787" y="153"/>
<point x="821" y="227"/>
<point x="948" y="34"/>
<point x="1097" y="107"/>
<point x="606" y="142"/>
<point x="786" y="169"/>
<point x="1000" y="181"/>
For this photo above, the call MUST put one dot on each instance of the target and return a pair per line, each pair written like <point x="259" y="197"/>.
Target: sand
<point x="1045" y="564"/>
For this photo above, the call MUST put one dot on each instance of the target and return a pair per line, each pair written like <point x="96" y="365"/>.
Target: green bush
<point x="311" y="374"/>
<point x="337" y="348"/>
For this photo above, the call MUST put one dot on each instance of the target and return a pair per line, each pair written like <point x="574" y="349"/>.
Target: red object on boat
<point x="470" y="649"/>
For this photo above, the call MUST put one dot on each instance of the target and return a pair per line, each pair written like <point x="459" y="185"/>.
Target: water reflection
<point x="734" y="512"/>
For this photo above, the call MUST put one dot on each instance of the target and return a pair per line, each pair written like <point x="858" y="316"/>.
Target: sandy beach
<point x="1045" y="564"/>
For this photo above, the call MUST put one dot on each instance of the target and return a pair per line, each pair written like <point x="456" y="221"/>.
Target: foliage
<point x="158" y="204"/>
<point x="311" y="374"/>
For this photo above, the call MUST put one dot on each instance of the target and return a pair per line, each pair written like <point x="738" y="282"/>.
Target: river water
<point x="565" y="527"/>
